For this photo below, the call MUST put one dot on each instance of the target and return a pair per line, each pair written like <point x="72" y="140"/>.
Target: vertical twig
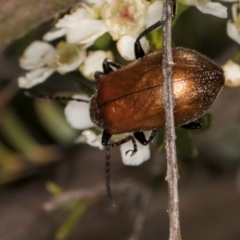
<point x="168" y="101"/>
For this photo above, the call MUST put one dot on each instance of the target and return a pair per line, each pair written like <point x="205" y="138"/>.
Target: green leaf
<point x="156" y="40"/>
<point x="103" y="42"/>
<point x="180" y="10"/>
<point x="160" y="140"/>
<point x="21" y="139"/>
<point x="52" y="117"/>
<point x="54" y="189"/>
<point x="207" y="121"/>
<point x="71" y="221"/>
<point x="184" y="143"/>
<point x="236" y="57"/>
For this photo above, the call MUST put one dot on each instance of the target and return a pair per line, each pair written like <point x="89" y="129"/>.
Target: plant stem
<point x="170" y="136"/>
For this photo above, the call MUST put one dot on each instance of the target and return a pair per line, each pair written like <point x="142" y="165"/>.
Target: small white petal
<point x="232" y="31"/>
<point x="232" y="74"/>
<point x="125" y="46"/>
<point x="35" y="77"/>
<point x="88" y="30"/>
<point x="97" y="3"/>
<point x="72" y="20"/>
<point x="213" y="8"/>
<point x="54" y="33"/>
<point x="94" y="62"/>
<point x="77" y="113"/>
<point x="90" y="138"/>
<point x="142" y="154"/>
<point x="154" y="13"/>
<point x="64" y="68"/>
<point x="36" y="55"/>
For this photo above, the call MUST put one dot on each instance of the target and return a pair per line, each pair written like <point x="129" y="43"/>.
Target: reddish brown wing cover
<point x="130" y="99"/>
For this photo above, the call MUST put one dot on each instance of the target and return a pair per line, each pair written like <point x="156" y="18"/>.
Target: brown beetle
<point x="129" y="99"/>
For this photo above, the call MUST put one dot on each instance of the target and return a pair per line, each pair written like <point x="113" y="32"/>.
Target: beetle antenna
<point x="107" y="178"/>
<point x="58" y="98"/>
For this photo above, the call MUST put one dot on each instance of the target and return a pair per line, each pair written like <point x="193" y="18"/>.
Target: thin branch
<point x="170" y="136"/>
<point x="144" y="197"/>
<point x="137" y="191"/>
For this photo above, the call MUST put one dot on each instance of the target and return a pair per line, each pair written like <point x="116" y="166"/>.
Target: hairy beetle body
<point x="131" y="98"/>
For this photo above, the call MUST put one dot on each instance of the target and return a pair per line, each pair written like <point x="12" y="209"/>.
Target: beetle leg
<point x="106" y="137"/>
<point x="106" y="69"/>
<point x="193" y="125"/>
<point x="138" y="50"/>
<point x="174" y="8"/>
<point x="140" y="136"/>
<point x="98" y="75"/>
<point x="107" y="66"/>
<point x="113" y="64"/>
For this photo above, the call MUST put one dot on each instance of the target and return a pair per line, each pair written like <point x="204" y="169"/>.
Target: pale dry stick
<point x="135" y="188"/>
<point x="144" y="202"/>
<point x="170" y="136"/>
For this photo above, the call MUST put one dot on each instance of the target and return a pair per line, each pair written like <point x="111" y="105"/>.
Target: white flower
<point x="154" y="13"/>
<point x="77" y="113"/>
<point x="124" y="17"/>
<point x="35" y="77"/>
<point x="232" y="74"/>
<point x="94" y="62"/>
<point x="90" y="138"/>
<point x="125" y="46"/>
<point x="233" y="27"/>
<point x="80" y="27"/>
<point x="42" y="59"/>
<point x="36" y="55"/>
<point x="96" y="3"/>
<point x="142" y="154"/>
<point x="125" y="20"/>
<point x="208" y="7"/>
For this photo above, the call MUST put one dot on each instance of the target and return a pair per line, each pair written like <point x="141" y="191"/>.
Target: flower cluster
<point x="231" y="68"/>
<point x="124" y="20"/>
<point x="232" y="74"/>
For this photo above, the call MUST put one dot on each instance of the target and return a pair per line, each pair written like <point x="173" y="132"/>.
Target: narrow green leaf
<point x="54" y="189"/>
<point x="71" y="221"/>
<point x="20" y="138"/>
<point x="184" y="143"/>
<point x="103" y="42"/>
<point x="52" y="117"/>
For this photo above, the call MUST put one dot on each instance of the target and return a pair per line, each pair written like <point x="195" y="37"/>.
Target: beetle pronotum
<point x="129" y="99"/>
